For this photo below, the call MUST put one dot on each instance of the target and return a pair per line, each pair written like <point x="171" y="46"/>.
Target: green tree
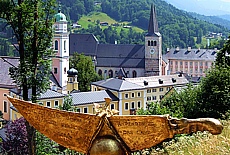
<point x="86" y="70"/>
<point x="31" y="22"/>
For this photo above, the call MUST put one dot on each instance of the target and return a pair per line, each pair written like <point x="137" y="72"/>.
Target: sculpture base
<point x="105" y="146"/>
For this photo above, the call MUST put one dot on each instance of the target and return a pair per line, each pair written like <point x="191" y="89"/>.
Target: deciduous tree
<point x="86" y="70"/>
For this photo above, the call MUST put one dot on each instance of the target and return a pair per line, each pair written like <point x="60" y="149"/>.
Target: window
<point x="126" y="95"/>
<point x="176" y="63"/>
<point x="161" y="89"/>
<point x="133" y="95"/>
<point x="134" y="74"/>
<point x="206" y="63"/>
<point x="190" y="63"/>
<point x="64" y="70"/>
<point x="151" y="43"/>
<point x="154" y="98"/>
<point x="56" y="103"/>
<point x="100" y="72"/>
<point x="55" y="70"/>
<point x="70" y="80"/>
<point x="85" y="110"/>
<point x="112" y="106"/>
<point x="154" y="90"/>
<point x="139" y="104"/>
<point x="78" y="110"/>
<point x="126" y="106"/>
<point x="161" y="96"/>
<point x="5" y="106"/>
<point x="201" y="63"/>
<point x="186" y="63"/>
<point x="4" y="94"/>
<point x="110" y="73"/>
<point x="64" y="45"/>
<point x="48" y="104"/>
<point x="196" y="64"/>
<point x="181" y="63"/>
<point x="132" y="105"/>
<point x="56" y="45"/>
<point x="201" y="71"/>
<point x="40" y="103"/>
<point x="148" y="43"/>
<point x="168" y="88"/>
<point x="138" y="94"/>
<point x="155" y="43"/>
<point x="148" y="90"/>
<point x="148" y="98"/>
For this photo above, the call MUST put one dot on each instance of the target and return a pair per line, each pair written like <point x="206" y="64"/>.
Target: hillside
<point x="212" y="19"/>
<point x="178" y="28"/>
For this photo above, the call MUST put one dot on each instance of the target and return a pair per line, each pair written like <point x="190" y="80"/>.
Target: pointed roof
<point x="153" y="24"/>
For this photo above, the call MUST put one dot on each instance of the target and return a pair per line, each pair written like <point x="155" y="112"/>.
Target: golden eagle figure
<point x="105" y="133"/>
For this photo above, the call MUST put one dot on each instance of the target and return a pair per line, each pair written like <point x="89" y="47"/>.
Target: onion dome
<point x="60" y="17"/>
<point x="72" y="72"/>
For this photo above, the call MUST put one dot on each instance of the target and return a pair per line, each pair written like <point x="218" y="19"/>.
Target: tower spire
<point x="153" y="24"/>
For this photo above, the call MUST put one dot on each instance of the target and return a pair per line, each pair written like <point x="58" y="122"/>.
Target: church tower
<point x="153" y="47"/>
<point x="60" y="62"/>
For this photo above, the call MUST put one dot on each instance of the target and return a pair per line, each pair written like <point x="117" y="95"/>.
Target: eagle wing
<point x="140" y="132"/>
<point x="72" y="130"/>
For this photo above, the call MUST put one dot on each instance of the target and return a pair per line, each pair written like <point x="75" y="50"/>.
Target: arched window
<point x="148" y="43"/>
<point x="56" y="45"/>
<point x="110" y="73"/>
<point x="100" y="72"/>
<point x="151" y="43"/>
<point x="155" y="43"/>
<point x="134" y="74"/>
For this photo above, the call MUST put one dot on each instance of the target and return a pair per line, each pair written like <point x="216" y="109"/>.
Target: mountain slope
<point x="212" y="19"/>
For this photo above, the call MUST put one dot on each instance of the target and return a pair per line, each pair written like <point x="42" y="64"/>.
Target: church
<point x="111" y="60"/>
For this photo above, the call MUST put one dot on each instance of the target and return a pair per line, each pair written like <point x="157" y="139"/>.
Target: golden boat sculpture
<point x="105" y="133"/>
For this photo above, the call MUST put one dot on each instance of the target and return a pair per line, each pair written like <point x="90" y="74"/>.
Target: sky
<point x="204" y="7"/>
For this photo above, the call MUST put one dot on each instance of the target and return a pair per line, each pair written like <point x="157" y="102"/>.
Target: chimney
<point x="168" y="50"/>
<point x="189" y="49"/>
<point x="173" y="80"/>
<point x="160" y="81"/>
<point x="146" y="83"/>
<point x="177" y="49"/>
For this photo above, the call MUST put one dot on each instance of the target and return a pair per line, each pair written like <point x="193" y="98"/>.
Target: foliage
<point x="45" y="146"/>
<point x="86" y="70"/>
<point x="180" y="103"/>
<point x="68" y="104"/>
<point x="198" y="143"/>
<point x="216" y="93"/>
<point x="16" y="138"/>
<point x="177" y="27"/>
<point x="31" y="23"/>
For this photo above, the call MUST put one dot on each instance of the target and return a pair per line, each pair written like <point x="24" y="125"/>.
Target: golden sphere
<point x="106" y="146"/>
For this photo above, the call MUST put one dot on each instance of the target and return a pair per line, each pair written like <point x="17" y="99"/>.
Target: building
<point x="6" y="83"/>
<point x="194" y="62"/>
<point x="135" y="93"/>
<point x="135" y="60"/>
<point x="60" y="63"/>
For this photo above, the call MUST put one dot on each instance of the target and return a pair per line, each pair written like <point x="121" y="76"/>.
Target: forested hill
<point x="177" y="27"/>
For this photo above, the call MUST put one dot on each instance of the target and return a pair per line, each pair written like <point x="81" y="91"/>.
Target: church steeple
<point x="153" y="24"/>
